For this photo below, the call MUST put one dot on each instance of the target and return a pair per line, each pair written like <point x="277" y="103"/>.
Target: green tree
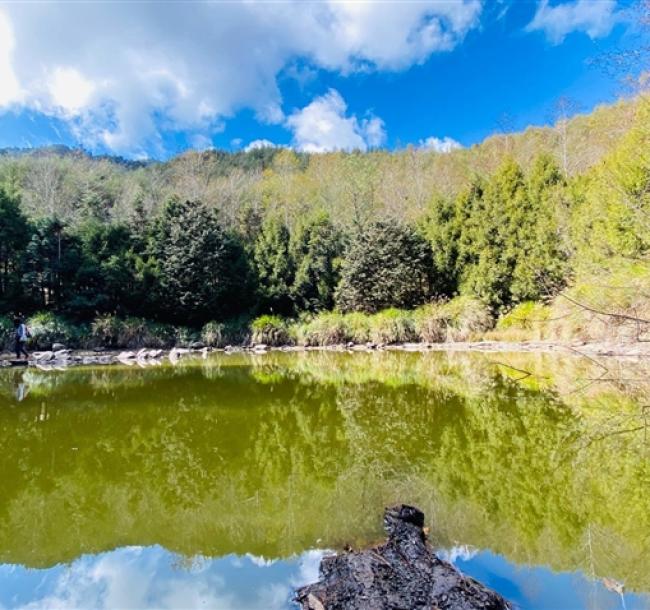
<point x="510" y="246"/>
<point x="442" y="228"/>
<point x="107" y="277"/>
<point x="274" y="267"/>
<point x="316" y="249"/>
<point x="14" y="237"/>
<point x="541" y="267"/>
<point x="52" y="261"/>
<point x="201" y="269"/>
<point x="385" y="265"/>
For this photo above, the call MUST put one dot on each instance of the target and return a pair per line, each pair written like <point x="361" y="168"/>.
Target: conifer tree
<point x="14" y="237"/>
<point x="316" y="250"/>
<point x="200" y="269"/>
<point x="385" y="265"/>
<point x="274" y="267"/>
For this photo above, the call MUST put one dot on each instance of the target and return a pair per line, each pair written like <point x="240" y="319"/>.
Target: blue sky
<point x="152" y="79"/>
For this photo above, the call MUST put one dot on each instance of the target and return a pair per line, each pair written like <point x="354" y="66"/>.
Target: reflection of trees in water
<point x="273" y="456"/>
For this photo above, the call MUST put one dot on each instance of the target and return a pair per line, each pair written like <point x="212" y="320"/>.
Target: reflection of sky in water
<point x="152" y="578"/>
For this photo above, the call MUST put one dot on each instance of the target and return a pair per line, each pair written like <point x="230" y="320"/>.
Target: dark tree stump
<point x="402" y="574"/>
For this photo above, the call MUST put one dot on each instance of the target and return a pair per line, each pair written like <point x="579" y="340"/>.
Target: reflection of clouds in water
<point x="139" y="578"/>
<point x="260" y="562"/>
<point x="308" y="565"/>
<point x="463" y="552"/>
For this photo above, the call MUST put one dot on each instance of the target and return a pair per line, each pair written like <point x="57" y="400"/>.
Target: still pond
<point x="219" y="483"/>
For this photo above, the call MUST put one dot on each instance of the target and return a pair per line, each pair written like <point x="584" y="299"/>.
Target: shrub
<point x="528" y="320"/>
<point x="111" y="331"/>
<point x="431" y="323"/>
<point x="105" y="330"/>
<point x="467" y="318"/>
<point x="138" y="332"/>
<point x="270" y="330"/>
<point x="213" y="334"/>
<point x="324" y="329"/>
<point x="184" y="336"/>
<point x="392" y="326"/>
<point x="357" y="327"/>
<point x="47" y="328"/>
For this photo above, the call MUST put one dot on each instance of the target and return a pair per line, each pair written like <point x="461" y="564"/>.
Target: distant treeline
<point x="212" y="236"/>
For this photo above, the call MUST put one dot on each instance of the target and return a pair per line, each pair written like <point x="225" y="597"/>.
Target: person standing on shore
<point x="21" y="336"/>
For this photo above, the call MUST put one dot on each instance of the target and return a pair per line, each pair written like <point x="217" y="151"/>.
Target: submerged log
<point x="403" y="573"/>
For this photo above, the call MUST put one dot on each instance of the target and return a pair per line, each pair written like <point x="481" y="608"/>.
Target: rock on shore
<point x="402" y="574"/>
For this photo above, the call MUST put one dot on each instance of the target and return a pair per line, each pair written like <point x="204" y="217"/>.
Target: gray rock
<point x="197" y="345"/>
<point x="43" y="356"/>
<point x="57" y="347"/>
<point x="126" y="355"/>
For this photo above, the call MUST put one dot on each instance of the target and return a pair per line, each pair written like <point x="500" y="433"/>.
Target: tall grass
<point x="460" y="319"/>
<point x="270" y="330"/>
<point x="525" y="322"/>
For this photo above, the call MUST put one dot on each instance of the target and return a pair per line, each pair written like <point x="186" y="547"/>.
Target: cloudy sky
<point x="149" y="79"/>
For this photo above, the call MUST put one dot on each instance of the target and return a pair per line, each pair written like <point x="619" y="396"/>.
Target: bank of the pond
<point x="460" y="323"/>
<point x="64" y="357"/>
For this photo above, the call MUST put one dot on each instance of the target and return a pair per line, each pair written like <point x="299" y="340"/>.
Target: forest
<point x="539" y="234"/>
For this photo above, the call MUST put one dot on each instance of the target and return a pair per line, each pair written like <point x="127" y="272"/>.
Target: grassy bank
<point x="460" y="319"/>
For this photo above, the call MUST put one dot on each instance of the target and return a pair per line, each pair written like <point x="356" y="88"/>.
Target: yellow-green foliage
<point x="610" y="225"/>
<point x="611" y="215"/>
<point x="526" y="321"/>
<point x="461" y="319"/>
<point x="325" y="329"/>
<point x="270" y="330"/>
<point x="392" y="326"/>
<point x="468" y="318"/>
<point x="611" y="305"/>
<point x="431" y="323"/>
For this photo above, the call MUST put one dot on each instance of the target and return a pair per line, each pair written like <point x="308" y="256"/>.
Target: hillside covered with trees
<point x="549" y="224"/>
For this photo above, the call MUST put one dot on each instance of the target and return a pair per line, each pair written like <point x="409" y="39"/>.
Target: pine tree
<point x="274" y="267"/>
<point x="14" y="237"/>
<point x="200" y="271"/>
<point x="385" y="265"/>
<point x="316" y="250"/>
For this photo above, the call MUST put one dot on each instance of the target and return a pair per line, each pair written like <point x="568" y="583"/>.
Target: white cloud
<point x="255" y="144"/>
<point x="70" y="90"/>
<point x="9" y="88"/>
<point x="594" y="17"/>
<point x="150" y="577"/>
<point x="124" y="76"/>
<point x="441" y="145"/>
<point x="392" y="35"/>
<point x="324" y="125"/>
<point x="308" y="567"/>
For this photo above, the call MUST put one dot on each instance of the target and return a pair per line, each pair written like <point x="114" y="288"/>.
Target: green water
<point x="539" y="461"/>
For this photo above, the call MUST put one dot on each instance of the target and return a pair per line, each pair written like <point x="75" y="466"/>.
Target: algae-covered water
<point x="219" y="483"/>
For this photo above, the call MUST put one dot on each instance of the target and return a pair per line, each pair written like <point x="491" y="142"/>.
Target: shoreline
<point x="46" y="360"/>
